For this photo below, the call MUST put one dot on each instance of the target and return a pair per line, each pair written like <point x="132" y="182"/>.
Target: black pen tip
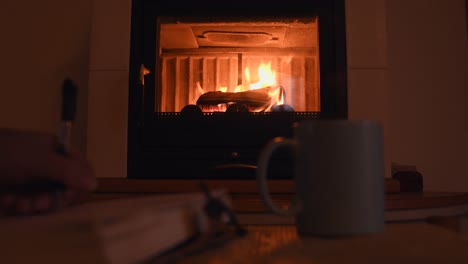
<point x="69" y="93"/>
<point x="67" y="82"/>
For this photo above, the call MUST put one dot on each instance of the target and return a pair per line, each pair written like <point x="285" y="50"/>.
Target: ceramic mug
<point x="339" y="177"/>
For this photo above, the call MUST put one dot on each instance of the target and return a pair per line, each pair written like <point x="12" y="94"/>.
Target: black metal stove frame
<point x="222" y="145"/>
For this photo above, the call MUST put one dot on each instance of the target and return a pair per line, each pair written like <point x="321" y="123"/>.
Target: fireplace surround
<point x="176" y="143"/>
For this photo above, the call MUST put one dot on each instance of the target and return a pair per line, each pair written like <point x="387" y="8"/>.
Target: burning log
<point x="257" y="99"/>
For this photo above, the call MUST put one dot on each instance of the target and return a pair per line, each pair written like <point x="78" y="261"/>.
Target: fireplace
<point x="209" y="88"/>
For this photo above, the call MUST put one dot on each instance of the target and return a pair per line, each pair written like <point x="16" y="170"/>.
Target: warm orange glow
<point x="281" y="99"/>
<point x="266" y="79"/>
<point x="223" y="89"/>
<point x="247" y="73"/>
<point x="277" y="96"/>
<point x="200" y="90"/>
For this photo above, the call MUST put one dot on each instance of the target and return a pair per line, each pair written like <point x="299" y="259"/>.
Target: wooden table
<point x="399" y="243"/>
<point x="407" y="239"/>
<point x="440" y="208"/>
<point x="408" y="236"/>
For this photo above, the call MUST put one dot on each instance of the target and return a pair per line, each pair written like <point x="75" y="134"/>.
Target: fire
<point x="266" y="81"/>
<point x="277" y="94"/>
<point x="223" y="89"/>
<point x="266" y="75"/>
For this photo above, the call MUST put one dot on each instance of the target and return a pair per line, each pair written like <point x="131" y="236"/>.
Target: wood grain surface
<point x="245" y="195"/>
<point x="399" y="243"/>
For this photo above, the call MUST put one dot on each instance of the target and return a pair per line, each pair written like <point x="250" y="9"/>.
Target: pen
<point x="69" y="93"/>
<point x="57" y="188"/>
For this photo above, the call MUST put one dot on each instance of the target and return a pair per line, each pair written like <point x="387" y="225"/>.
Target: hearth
<point x="211" y="83"/>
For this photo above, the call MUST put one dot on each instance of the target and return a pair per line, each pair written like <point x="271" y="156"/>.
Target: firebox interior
<point x="293" y="33"/>
<point x="259" y="65"/>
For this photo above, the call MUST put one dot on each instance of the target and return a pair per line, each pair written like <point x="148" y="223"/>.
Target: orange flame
<point x="266" y="78"/>
<point x="223" y="89"/>
<point x="278" y="95"/>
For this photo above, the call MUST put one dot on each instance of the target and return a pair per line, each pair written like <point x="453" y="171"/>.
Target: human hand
<point x="27" y="157"/>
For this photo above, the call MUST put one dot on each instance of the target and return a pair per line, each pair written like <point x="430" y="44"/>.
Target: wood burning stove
<point x="211" y="82"/>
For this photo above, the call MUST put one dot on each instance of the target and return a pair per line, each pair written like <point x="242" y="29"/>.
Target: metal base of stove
<point x="213" y="145"/>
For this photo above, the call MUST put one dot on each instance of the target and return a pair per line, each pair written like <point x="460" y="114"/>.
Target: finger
<point x="74" y="173"/>
<point x="38" y="203"/>
<point x="7" y="201"/>
<point x="23" y="205"/>
<point x="72" y="196"/>
<point x="42" y="203"/>
<point x="80" y="176"/>
<point x="38" y="161"/>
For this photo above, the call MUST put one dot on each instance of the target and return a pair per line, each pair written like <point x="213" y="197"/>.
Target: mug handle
<point x="262" y="169"/>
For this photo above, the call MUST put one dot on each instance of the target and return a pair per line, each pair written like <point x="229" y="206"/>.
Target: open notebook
<point x="116" y="231"/>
